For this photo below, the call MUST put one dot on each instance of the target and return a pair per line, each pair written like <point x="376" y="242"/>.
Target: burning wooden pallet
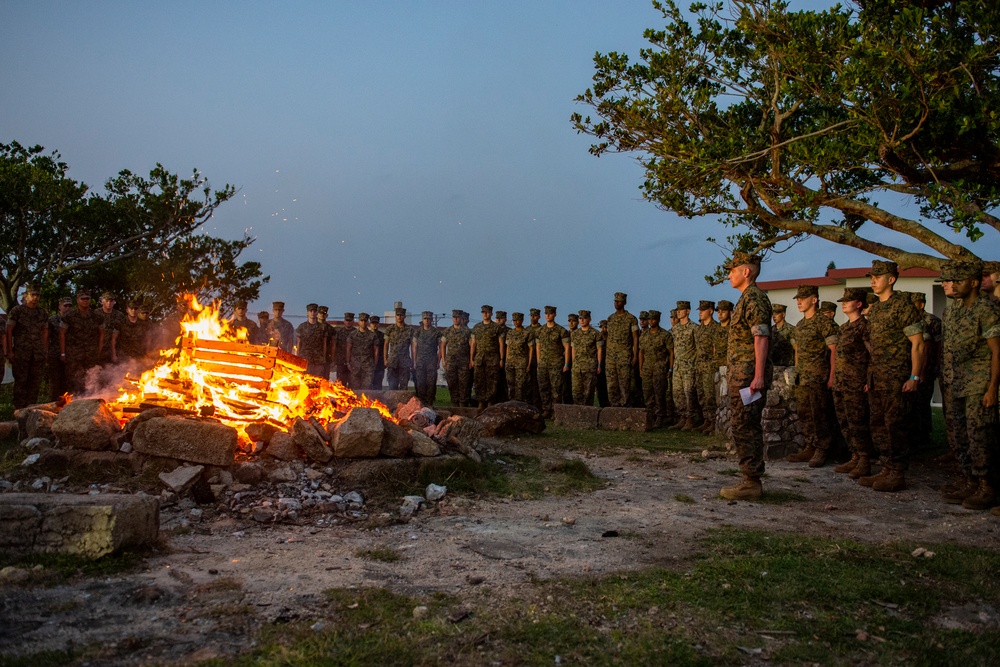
<point x="249" y="365"/>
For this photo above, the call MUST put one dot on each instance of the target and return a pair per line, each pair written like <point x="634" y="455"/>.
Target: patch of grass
<point x="6" y="400"/>
<point x="58" y="568"/>
<point x="684" y="498"/>
<point x="382" y="554"/>
<point x="41" y="659"/>
<point x="611" y="442"/>
<point x="781" y="497"/>
<point x="509" y="475"/>
<point x="802" y="480"/>
<point x="732" y="472"/>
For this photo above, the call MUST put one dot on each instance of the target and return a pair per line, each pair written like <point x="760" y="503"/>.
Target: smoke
<point x="106" y="381"/>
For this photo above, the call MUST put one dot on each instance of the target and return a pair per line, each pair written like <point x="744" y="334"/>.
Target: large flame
<point x="214" y="371"/>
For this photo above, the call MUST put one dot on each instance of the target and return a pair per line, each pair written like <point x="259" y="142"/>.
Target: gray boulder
<point x="86" y="423"/>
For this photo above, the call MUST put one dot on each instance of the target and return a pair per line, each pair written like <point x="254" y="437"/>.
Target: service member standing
<point x="322" y="313"/>
<point x="280" y="332"/>
<point x="56" y="367"/>
<point x="534" y="315"/>
<point x="503" y="393"/>
<point x="655" y="350"/>
<point x="399" y="352"/>
<point x="850" y="378"/>
<point x="427" y="358"/>
<point x="486" y="350"/>
<point x="933" y="337"/>
<point x="621" y="351"/>
<point x="240" y="320"/>
<point x="684" y="374"/>
<point x="455" y="356"/>
<point x="361" y="354"/>
<point x="520" y="343"/>
<point x="310" y="341"/>
<point x="587" y="359"/>
<point x="708" y="344"/>
<point x="80" y="342"/>
<point x="378" y="377"/>
<point x="573" y="323"/>
<point x="133" y="335"/>
<point x="782" y="337"/>
<point x="340" y="358"/>
<point x="112" y="328"/>
<point x="553" y="352"/>
<point x="27" y="336"/>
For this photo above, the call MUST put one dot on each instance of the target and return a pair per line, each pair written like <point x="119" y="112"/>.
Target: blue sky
<point x="384" y="151"/>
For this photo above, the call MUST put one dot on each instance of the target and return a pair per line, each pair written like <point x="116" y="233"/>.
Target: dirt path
<point x="219" y="582"/>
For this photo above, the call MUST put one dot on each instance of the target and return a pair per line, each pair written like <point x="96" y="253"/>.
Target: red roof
<point x="838" y="276"/>
<point x="821" y="281"/>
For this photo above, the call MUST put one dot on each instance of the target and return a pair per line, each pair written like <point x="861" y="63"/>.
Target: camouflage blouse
<point x="428" y="343"/>
<point x="585" y="344"/>
<point x="813" y="338"/>
<point x="399" y="343"/>
<point x="966" y="363"/>
<point x="782" y="345"/>
<point x="487" y="337"/>
<point x="685" y="348"/>
<point x="852" y="356"/>
<point x="620" y="328"/>
<point x="751" y="318"/>
<point x="709" y="340"/>
<point x="518" y="342"/>
<point x="28" y="326"/>
<point x="311" y="338"/>
<point x="655" y="348"/>
<point x="893" y="321"/>
<point x="549" y="342"/>
<point x="456" y="343"/>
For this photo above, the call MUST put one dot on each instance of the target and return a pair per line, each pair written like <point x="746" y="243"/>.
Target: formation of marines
<point x="870" y="379"/>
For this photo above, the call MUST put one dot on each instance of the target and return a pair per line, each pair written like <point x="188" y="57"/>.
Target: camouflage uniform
<point x="28" y="328"/>
<point x="503" y="393"/>
<point x="782" y="344"/>
<point x="519" y="342"/>
<point x="585" y="343"/>
<point x="813" y="338"/>
<point x="56" y="367"/>
<point x="654" y="355"/>
<point x="83" y="334"/>
<point x="456" y="361"/>
<point x="536" y="398"/>
<point x="851" y="376"/>
<point x="550" y="345"/>
<point x="751" y="317"/>
<point x="312" y="340"/>
<point x="603" y="400"/>
<point x="248" y="325"/>
<point x="378" y="377"/>
<point x="487" y="360"/>
<point x="566" y="396"/>
<point x="427" y="362"/>
<point x="892" y="409"/>
<point x="398" y="362"/>
<point x="933" y="338"/>
<point x="133" y="338"/>
<point x="340" y="350"/>
<point x="362" y="357"/>
<point x="112" y="331"/>
<point x="684" y="375"/>
<point x="281" y="334"/>
<point x="709" y="341"/>
<point x="619" y="355"/>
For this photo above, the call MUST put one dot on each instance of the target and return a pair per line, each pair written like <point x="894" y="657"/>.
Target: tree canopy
<point x="787" y="124"/>
<point x="139" y="239"/>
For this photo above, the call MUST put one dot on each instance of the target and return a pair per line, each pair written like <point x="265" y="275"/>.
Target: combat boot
<point x="678" y="426"/>
<point x="894" y="481"/>
<point x="863" y="467"/>
<point x="749" y="489"/>
<point x="688" y="425"/>
<point x="984" y="497"/>
<point x="848" y="466"/>
<point x="818" y="459"/>
<point x="802" y="455"/>
<point x="960" y="492"/>
<point x="869" y="480"/>
<point x="708" y="428"/>
<point x="995" y="511"/>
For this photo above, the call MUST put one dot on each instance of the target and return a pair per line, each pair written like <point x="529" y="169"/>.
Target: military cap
<point x="517" y="317"/>
<point x="621" y="296"/>
<point x="107" y="295"/>
<point x="144" y="309"/>
<point x="572" y="316"/>
<point x="882" y="267"/>
<point x="534" y="311"/>
<point x="550" y="309"/>
<point x="427" y="315"/>
<point x="66" y="300"/>
<point x="456" y="312"/>
<point x="401" y="311"/>
<point x="739" y="259"/>
<point x="673" y="312"/>
<point x="725" y="304"/>
<point x="991" y="267"/>
<point x="853" y="294"/>
<point x="828" y="306"/>
<point x="277" y="305"/>
<point x="654" y="315"/>
<point x="264" y="314"/>
<point x="683" y="305"/>
<point x="311" y="306"/>
<point x="374" y="318"/>
<point x="603" y="323"/>
<point x="918" y="297"/>
<point x="323" y="309"/>
<point x="501" y="313"/>
<point x="83" y="294"/>
<point x="778" y="307"/>
<point x="956" y="270"/>
<point x="706" y="305"/>
<point x="132" y="303"/>
<point x="32" y="289"/>
<point x="643" y="314"/>
<point x="362" y="317"/>
<point x="240" y="304"/>
<point x="871" y="298"/>
<point x="585" y="313"/>
<point x="486" y="308"/>
<point x="348" y="316"/>
<point x="806" y="291"/>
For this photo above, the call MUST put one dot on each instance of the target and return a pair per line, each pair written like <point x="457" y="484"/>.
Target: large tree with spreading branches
<point x="789" y="124"/>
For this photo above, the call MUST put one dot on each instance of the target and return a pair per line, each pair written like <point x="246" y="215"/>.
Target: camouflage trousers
<point x="398" y="372"/>
<point x="456" y="374"/>
<point x="567" y="386"/>
<point x="584" y="384"/>
<point x="618" y="371"/>
<point x="28" y="367"/>
<point x="485" y="379"/>
<point x="76" y="372"/>
<point x="892" y="424"/>
<point x="705" y="388"/>
<point x="316" y="368"/>
<point x="550" y="387"/>
<point x="923" y="424"/>
<point x="57" y="377"/>
<point x="518" y="381"/>
<point x="654" y="391"/>
<point x="426" y="380"/>
<point x="745" y="423"/>
<point x="361" y="373"/>
<point x="972" y="433"/>
<point x="378" y="377"/>
<point x="812" y="406"/>
<point x="685" y="380"/>
<point x="602" y="389"/>
<point x="854" y="419"/>
<point x="344" y="374"/>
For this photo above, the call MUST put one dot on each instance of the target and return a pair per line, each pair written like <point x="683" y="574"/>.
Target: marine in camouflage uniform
<point x="552" y="349"/>
<point x="340" y="359"/>
<point x="534" y="314"/>
<point x="573" y="323"/>
<point x="971" y="355"/>
<point x="399" y="352"/>
<point x="709" y="343"/>
<point x="56" y="367"/>
<point x="486" y="350"/>
<point x="815" y="343"/>
<point x="455" y="357"/>
<point x="310" y="341"/>
<point x="748" y="366"/>
<point x="27" y="336"/>
<point x="520" y="343"/>
<point x="240" y="320"/>
<point x="378" y="377"/>
<point x="133" y="335"/>
<point x="620" y="351"/>
<point x="897" y="337"/>
<point x="280" y="333"/>
<point x="587" y="359"/>
<point x="427" y="340"/>
<point x="933" y="339"/>
<point x="361" y="354"/>
<point x="684" y="376"/>
<point x="80" y="339"/>
<point x="503" y="393"/>
<point x="655" y="346"/>
<point x="850" y="378"/>
<point x="112" y="328"/>
<point x="782" y="338"/>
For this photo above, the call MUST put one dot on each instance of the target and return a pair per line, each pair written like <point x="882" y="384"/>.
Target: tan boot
<point x="688" y="425"/>
<point x="749" y="489"/>
<point x="894" y="481"/>
<point x="863" y="468"/>
<point x="869" y="480"/>
<point x="960" y="492"/>
<point x="818" y="459"/>
<point x="848" y="466"/>
<point x="983" y="499"/>
<point x="802" y="455"/>
<point x="678" y="426"/>
<point x="995" y="511"/>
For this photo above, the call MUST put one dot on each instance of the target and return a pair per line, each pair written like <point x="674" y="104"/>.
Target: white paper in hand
<point x="748" y="396"/>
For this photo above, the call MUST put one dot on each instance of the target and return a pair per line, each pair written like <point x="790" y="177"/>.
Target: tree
<point x="55" y="231"/>
<point x="793" y="124"/>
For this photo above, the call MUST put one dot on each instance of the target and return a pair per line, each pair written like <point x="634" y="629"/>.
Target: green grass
<point x="6" y="401"/>
<point x="58" y="568"/>
<point x="799" y="600"/>
<point x="509" y="475"/>
<point x="382" y="554"/>
<point x="610" y="442"/>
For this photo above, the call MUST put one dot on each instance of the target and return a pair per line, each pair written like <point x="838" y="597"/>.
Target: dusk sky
<point x="383" y="151"/>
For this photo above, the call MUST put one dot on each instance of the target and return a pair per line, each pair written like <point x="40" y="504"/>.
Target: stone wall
<point x="780" y="420"/>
